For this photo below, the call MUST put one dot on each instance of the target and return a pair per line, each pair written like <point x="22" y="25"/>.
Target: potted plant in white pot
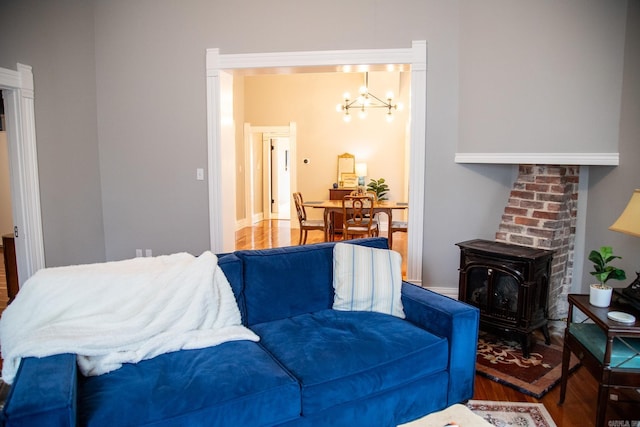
<point x="600" y="293"/>
<point x="380" y="187"/>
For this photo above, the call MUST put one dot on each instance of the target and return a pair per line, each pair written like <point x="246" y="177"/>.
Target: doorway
<point x="270" y="156"/>
<point x="219" y="72"/>
<point x="17" y="89"/>
<point x="277" y="176"/>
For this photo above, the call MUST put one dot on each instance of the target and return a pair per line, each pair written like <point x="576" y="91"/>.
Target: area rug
<point x="519" y="414"/>
<point x="501" y="360"/>
<point x="480" y="413"/>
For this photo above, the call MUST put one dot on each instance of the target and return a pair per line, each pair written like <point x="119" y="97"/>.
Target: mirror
<point x="346" y="164"/>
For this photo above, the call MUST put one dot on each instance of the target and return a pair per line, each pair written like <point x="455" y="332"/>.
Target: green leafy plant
<point x="379" y="187"/>
<point x="602" y="270"/>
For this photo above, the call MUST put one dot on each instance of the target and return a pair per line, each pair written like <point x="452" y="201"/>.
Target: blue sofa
<point x="313" y="366"/>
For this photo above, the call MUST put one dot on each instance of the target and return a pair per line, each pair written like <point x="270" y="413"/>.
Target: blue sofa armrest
<point x="43" y="393"/>
<point x="451" y="319"/>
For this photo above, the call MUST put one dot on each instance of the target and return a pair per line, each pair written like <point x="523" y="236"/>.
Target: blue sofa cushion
<point x="367" y="279"/>
<point x="233" y="384"/>
<point x="286" y="282"/>
<point x="343" y="356"/>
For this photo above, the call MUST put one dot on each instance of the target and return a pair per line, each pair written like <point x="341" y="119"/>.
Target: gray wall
<point x="541" y="76"/>
<point x="610" y="188"/>
<point x="57" y="40"/>
<point x="121" y="125"/>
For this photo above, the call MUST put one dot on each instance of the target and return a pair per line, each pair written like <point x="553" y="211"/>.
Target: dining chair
<point x="307" y="225"/>
<point x="368" y="193"/>
<point x="357" y="213"/>
<point x="401" y="226"/>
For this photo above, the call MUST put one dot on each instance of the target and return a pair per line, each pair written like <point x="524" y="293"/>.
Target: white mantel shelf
<point x="586" y="159"/>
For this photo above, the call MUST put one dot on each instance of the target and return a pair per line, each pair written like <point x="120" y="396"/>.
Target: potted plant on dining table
<point x="380" y="187"/>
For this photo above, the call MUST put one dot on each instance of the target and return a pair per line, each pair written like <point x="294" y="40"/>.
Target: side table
<point x="608" y="349"/>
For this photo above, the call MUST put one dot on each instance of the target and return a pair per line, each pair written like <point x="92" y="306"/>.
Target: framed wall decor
<point x="349" y="180"/>
<point x="346" y="164"/>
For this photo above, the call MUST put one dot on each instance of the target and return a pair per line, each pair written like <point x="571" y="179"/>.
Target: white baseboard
<point x="448" y="291"/>
<point x="257" y="217"/>
<point x="444" y="290"/>
<point x="242" y="223"/>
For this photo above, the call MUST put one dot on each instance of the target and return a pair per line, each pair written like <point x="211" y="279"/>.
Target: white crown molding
<point x="9" y="78"/>
<point x="311" y="59"/>
<point x="593" y="159"/>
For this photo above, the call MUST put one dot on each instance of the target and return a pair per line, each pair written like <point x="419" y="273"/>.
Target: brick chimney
<point x="541" y="213"/>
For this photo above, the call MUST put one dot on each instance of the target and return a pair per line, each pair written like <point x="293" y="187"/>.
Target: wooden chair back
<point x="306" y="224"/>
<point x="366" y="193"/>
<point x="302" y="214"/>
<point x="357" y="212"/>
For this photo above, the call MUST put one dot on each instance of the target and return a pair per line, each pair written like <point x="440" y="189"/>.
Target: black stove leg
<point x="525" y="342"/>
<point x="545" y="332"/>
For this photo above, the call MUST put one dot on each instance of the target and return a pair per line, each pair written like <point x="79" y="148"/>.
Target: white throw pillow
<point x="367" y="279"/>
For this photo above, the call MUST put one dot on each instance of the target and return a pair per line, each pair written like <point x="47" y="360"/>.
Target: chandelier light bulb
<point x="399" y="106"/>
<point x="365" y="100"/>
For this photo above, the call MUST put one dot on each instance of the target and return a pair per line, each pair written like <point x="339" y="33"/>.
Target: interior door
<point x="279" y="177"/>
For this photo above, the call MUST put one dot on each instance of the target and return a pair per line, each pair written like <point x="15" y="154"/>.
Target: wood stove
<point x="510" y="286"/>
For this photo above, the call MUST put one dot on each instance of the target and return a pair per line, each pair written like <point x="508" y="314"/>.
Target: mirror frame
<point x="346" y="164"/>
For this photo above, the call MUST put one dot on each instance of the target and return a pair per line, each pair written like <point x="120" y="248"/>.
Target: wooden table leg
<point x="601" y="409"/>
<point x="326" y="225"/>
<point x="566" y="357"/>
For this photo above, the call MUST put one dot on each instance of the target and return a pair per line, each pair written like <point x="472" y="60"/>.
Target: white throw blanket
<point x="121" y="312"/>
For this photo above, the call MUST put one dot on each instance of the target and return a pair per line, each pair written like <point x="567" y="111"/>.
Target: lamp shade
<point x="361" y="169"/>
<point x="629" y="221"/>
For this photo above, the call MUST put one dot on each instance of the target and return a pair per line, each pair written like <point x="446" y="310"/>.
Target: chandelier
<point x="365" y="101"/>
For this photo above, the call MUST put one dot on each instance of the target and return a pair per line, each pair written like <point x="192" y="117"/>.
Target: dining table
<point x="329" y="206"/>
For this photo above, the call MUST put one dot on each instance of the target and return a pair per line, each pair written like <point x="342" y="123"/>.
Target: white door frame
<point x="276" y="132"/>
<point x="17" y="89"/>
<point x="219" y="67"/>
<point x="290" y="132"/>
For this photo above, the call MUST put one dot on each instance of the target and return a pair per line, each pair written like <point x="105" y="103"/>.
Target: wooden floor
<point x="580" y="403"/>
<point x="274" y="234"/>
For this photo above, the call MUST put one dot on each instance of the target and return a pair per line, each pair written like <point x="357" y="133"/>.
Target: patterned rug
<point x="501" y="360"/>
<point x="481" y="413"/>
<point x="521" y="414"/>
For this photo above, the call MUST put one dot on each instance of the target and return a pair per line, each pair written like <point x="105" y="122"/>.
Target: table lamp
<point x="361" y="172"/>
<point x="629" y="223"/>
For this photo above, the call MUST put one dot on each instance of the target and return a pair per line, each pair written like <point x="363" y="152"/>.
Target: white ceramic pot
<point x="599" y="295"/>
